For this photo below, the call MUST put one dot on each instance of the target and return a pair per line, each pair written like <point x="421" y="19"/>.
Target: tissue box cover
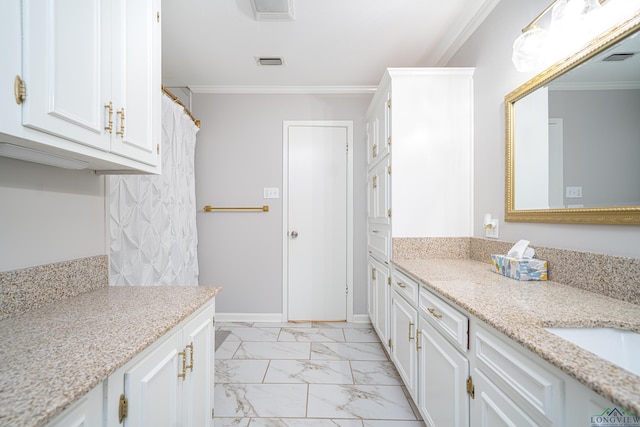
<point x="519" y="268"/>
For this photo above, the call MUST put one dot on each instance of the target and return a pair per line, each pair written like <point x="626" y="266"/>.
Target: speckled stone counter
<point x="521" y="310"/>
<point x="54" y="355"/>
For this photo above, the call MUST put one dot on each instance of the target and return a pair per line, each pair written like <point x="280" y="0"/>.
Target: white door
<point x="404" y="319"/>
<point x="316" y="220"/>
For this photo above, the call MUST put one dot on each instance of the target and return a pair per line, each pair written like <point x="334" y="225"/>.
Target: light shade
<point x="529" y="49"/>
<point x="41" y="157"/>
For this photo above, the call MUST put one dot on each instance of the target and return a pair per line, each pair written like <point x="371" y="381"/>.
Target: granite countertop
<point x="52" y="356"/>
<point x="521" y="310"/>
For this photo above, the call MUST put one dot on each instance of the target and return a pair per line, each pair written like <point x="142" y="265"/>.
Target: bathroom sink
<point x="617" y="346"/>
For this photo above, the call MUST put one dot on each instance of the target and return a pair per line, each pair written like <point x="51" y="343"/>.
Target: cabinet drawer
<point x="379" y="241"/>
<point x="406" y="287"/>
<point x="539" y="392"/>
<point x="446" y="319"/>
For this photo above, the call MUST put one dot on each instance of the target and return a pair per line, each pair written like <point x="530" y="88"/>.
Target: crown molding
<point x="284" y="89"/>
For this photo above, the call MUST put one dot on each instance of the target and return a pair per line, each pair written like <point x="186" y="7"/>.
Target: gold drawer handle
<point x="410" y="327"/>
<point x="183" y="375"/>
<point x="121" y="114"/>
<point x="109" y="108"/>
<point x="418" y="346"/>
<point x="402" y="285"/>
<point x="190" y="347"/>
<point x="434" y="313"/>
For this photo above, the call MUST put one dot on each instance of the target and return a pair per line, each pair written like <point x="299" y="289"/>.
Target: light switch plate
<point x="271" y="192"/>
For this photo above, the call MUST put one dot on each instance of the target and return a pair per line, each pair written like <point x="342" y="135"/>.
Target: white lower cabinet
<point x="380" y="287"/>
<point x="173" y="384"/>
<point x="461" y="372"/>
<point x="442" y="396"/>
<point x="404" y="320"/>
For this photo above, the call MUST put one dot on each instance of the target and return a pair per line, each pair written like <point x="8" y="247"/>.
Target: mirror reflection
<point x="577" y="139"/>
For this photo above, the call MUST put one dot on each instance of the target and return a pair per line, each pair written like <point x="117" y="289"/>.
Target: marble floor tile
<point x="375" y="372"/>
<point x="341" y="325"/>
<point x="388" y="423"/>
<point x="312" y="334"/>
<point x="260" y="400"/>
<point x="251" y="334"/>
<point x="227" y="349"/>
<point x="309" y="371"/>
<point x="231" y="422"/>
<point x="361" y="335"/>
<point x="283" y="324"/>
<point x="240" y="371"/>
<point x="303" y="422"/>
<point x="347" y="351"/>
<point x="358" y="401"/>
<point x="273" y="350"/>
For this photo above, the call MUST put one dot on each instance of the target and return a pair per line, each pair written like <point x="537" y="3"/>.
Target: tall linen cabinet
<point x="420" y="169"/>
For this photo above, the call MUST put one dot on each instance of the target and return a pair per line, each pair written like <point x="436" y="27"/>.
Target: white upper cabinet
<point x="91" y="70"/>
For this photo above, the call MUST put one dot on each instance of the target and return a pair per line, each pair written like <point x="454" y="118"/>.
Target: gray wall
<point x="239" y="152"/>
<point x="601" y="144"/>
<point x="489" y="50"/>
<point x="49" y="214"/>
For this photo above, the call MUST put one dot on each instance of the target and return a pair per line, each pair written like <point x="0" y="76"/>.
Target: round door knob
<point x="294" y="234"/>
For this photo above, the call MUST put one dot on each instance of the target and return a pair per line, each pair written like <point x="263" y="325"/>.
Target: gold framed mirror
<point x="565" y="161"/>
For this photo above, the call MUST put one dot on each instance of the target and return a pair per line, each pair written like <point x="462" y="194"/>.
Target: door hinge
<point x="389" y="213"/>
<point x="213" y="413"/>
<point x="389" y="141"/>
<point x="19" y="90"/>
<point x="389" y="281"/>
<point x="158" y="16"/>
<point x="471" y="390"/>
<point x="388" y="103"/>
<point x="123" y="408"/>
<point x="158" y="148"/>
<point x="390" y="343"/>
<point x="373" y="273"/>
<point x="389" y="170"/>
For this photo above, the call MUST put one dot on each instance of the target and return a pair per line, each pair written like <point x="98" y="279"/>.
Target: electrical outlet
<point x="271" y="193"/>
<point x="491" y="230"/>
<point x="573" y="192"/>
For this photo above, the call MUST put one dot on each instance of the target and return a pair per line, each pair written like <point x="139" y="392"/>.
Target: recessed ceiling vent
<point x="273" y="10"/>
<point x="618" y="57"/>
<point x="270" y="60"/>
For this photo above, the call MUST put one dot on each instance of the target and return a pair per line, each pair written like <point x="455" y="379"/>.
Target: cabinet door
<point x="378" y="197"/>
<point x="66" y="62"/>
<point x="136" y="79"/>
<point x="371" y="289"/>
<point x="154" y="388"/>
<point x="403" y="349"/>
<point x="198" y="387"/>
<point x="382" y="290"/>
<point x="443" y="399"/>
<point x="492" y="408"/>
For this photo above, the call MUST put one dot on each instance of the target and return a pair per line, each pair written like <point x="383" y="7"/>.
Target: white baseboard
<point x="361" y="318"/>
<point x="271" y="317"/>
<point x="248" y="317"/>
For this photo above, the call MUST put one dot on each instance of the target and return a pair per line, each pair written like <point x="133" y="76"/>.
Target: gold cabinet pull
<point x="418" y="346"/>
<point x="109" y="108"/>
<point x="402" y="285"/>
<point x="375" y="181"/>
<point x="410" y="328"/>
<point x="120" y="112"/>
<point x="374" y="150"/>
<point x="190" y="365"/>
<point x="183" y="375"/>
<point x="434" y="313"/>
<point x="373" y="273"/>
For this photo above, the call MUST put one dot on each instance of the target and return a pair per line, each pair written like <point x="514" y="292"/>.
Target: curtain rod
<point x="177" y="101"/>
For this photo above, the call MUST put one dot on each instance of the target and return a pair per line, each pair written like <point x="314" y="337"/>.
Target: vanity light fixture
<point x="573" y="23"/>
<point x="41" y="157"/>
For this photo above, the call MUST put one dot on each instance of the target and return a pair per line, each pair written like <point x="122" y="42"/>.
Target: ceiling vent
<point x="618" y="57"/>
<point x="270" y="60"/>
<point x="273" y="10"/>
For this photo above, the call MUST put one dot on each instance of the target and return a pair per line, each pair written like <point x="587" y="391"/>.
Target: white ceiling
<point x="346" y="43"/>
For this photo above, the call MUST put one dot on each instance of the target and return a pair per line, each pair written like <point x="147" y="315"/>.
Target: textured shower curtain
<point x="152" y="218"/>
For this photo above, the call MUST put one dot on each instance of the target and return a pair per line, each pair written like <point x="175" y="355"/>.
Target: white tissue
<point x="519" y="249"/>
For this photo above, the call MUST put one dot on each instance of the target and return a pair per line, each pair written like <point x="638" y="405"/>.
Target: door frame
<point x="286" y="124"/>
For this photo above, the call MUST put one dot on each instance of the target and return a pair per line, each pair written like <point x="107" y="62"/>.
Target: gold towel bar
<point x="258" y="209"/>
